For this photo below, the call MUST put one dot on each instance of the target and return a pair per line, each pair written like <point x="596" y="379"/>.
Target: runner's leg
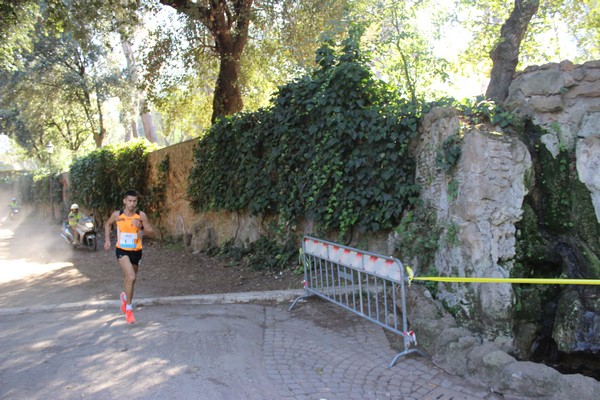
<point x="129" y="276"/>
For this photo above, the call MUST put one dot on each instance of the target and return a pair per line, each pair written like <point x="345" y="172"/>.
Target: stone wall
<point x="565" y="99"/>
<point x="200" y="231"/>
<point x="175" y="219"/>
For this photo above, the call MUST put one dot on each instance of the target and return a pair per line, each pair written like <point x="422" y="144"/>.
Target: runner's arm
<point x="146" y="226"/>
<point x="107" y="227"/>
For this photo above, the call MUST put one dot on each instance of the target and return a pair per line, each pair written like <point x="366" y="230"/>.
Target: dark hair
<point x="131" y="193"/>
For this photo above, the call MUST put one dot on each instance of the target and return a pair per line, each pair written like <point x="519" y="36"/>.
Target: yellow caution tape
<point x="538" y="281"/>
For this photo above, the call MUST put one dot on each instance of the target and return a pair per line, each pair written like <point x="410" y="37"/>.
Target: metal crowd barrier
<point x="362" y="282"/>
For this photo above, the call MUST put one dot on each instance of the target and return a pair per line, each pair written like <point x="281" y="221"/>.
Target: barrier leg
<point x="403" y="353"/>
<point x="304" y="296"/>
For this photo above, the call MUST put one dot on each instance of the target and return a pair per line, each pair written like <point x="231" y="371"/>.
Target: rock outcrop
<point x="480" y="199"/>
<point x="565" y="99"/>
<point x="462" y="353"/>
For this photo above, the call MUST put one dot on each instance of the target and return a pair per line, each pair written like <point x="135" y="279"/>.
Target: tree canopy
<point x="210" y="59"/>
<point x="58" y="93"/>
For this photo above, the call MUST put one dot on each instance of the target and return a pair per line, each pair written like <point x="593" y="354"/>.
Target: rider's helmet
<point x="74" y="206"/>
<point x="14" y="199"/>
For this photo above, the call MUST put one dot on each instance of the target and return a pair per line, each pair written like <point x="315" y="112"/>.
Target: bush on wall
<point x="99" y="179"/>
<point x="34" y="189"/>
<point x="333" y="147"/>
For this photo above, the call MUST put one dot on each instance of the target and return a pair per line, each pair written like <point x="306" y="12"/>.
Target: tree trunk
<point x="139" y="101"/>
<point x="101" y="132"/>
<point x="228" y="22"/>
<point x="130" y="116"/>
<point x="228" y="96"/>
<point x="85" y="99"/>
<point x="505" y="56"/>
<point x="132" y="131"/>
<point x="147" y="123"/>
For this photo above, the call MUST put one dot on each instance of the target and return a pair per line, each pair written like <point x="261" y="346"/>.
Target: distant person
<point x="74" y="218"/>
<point x="14" y="208"/>
<point x="131" y="224"/>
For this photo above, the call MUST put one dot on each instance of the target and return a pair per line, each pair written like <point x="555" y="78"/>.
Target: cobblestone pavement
<point x="191" y="349"/>
<point x="318" y="356"/>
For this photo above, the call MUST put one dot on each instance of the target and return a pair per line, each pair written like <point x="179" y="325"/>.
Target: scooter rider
<point x="74" y="218"/>
<point x="14" y="207"/>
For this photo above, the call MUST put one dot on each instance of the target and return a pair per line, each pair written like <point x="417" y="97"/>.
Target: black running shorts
<point x="135" y="256"/>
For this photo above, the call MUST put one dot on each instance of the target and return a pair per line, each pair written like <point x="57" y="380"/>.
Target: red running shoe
<point x="129" y="316"/>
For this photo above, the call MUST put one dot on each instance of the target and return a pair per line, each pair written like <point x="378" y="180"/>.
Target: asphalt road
<point x="229" y="346"/>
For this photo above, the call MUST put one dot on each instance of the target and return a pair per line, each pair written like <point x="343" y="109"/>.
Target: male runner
<point x="132" y="224"/>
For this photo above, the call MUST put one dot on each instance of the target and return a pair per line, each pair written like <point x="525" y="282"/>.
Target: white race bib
<point x="127" y="240"/>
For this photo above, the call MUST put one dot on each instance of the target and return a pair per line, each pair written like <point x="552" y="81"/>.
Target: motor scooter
<point x="86" y="228"/>
<point x="14" y="213"/>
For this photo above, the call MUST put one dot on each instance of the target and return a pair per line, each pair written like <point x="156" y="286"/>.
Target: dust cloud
<point x="29" y="244"/>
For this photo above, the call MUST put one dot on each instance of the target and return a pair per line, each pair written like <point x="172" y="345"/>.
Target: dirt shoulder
<point x="38" y="267"/>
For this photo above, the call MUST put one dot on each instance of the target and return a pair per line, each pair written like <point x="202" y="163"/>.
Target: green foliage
<point x="418" y="237"/>
<point x="99" y="180"/>
<point x="59" y="92"/>
<point x="555" y="23"/>
<point x="181" y="65"/>
<point x="555" y="177"/>
<point x="476" y="111"/>
<point x="333" y="147"/>
<point x="479" y="110"/>
<point x="530" y="243"/>
<point x="157" y="193"/>
<point x="448" y="154"/>
<point x="26" y="189"/>
<point x="586" y="223"/>
<point x="36" y="189"/>
<point x="262" y="254"/>
<point x="405" y="46"/>
<point x="453" y="189"/>
<point x="452" y="232"/>
<point x="269" y="254"/>
<point x="454" y="310"/>
<point x="557" y="210"/>
<point x="17" y="18"/>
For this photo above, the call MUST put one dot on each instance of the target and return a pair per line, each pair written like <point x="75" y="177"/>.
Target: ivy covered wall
<point x="333" y="148"/>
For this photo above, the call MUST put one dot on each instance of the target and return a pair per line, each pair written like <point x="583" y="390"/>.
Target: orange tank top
<point x="128" y="236"/>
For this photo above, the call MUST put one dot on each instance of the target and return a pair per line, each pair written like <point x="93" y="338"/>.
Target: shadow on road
<point x="38" y="267"/>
